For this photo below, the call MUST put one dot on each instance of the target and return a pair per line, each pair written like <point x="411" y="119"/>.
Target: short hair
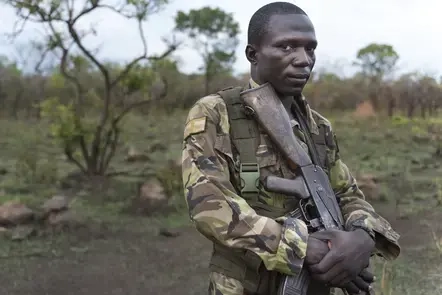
<point x="258" y="25"/>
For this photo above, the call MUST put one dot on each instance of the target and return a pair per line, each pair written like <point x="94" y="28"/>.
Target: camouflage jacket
<point x="221" y="215"/>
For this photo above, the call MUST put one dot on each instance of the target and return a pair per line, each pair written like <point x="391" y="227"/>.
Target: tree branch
<point x="111" y="144"/>
<point x="106" y="159"/>
<point x="50" y="14"/>
<point x="69" y="154"/>
<point x="130" y="107"/>
<point x="74" y="34"/>
<point x="136" y="60"/>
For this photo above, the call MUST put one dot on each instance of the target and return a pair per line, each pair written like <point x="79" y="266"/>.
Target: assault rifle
<point x="318" y="202"/>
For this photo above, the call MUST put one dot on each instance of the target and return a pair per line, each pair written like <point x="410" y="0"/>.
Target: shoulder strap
<point x="308" y="136"/>
<point x="244" y="133"/>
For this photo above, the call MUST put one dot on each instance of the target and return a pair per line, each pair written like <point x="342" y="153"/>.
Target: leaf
<point x="377" y="59"/>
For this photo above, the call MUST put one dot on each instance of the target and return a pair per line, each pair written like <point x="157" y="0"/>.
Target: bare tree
<point x="63" y="37"/>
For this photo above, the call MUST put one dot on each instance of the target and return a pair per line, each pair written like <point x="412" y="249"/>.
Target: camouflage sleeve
<point x="358" y="213"/>
<point x="214" y="207"/>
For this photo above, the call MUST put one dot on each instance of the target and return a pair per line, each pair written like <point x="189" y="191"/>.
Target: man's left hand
<point x="349" y="254"/>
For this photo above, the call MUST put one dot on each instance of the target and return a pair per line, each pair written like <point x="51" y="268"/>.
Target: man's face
<point x="286" y="55"/>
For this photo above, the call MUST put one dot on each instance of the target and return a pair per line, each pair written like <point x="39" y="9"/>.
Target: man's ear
<point x="251" y="54"/>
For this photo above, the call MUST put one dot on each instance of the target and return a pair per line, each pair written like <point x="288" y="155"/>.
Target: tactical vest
<point x="244" y="265"/>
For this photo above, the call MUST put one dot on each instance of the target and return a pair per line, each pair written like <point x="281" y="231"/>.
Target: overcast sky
<point x="413" y="27"/>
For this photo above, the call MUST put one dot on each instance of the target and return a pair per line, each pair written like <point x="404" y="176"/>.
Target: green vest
<point x="244" y="265"/>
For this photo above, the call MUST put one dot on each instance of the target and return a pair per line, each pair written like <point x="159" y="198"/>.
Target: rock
<point x="151" y="197"/>
<point x="421" y="138"/>
<point x="368" y="184"/>
<point x="135" y="156"/>
<point x="22" y="232"/>
<point x="438" y="152"/>
<point x="14" y="213"/>
<point x="364" y="110"/>
<point x="368" y="177"/>
<point x="178" y="162"/>
<point x="55" y="204"/>
<point x="168" y="233"/>
<point x="63" y="220"/>
<point x="158" y="147"/>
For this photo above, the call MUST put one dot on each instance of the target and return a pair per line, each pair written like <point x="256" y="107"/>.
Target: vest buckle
<point x="249" y="175"/>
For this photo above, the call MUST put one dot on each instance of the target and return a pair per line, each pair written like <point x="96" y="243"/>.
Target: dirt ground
<point x="130" y="263"/>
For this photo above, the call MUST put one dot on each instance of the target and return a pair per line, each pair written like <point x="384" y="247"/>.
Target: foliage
<point x="90" y="146"/>
<point x="215" y="36"/>
<point x="87" y="118"/>
<point x="85" y="99"/>
<point x="377" y="59"/>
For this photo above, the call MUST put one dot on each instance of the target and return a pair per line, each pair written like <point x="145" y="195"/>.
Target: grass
<point x="403" y="154"/>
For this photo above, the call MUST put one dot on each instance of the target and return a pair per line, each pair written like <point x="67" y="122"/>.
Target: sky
<point x="413" y="28"/>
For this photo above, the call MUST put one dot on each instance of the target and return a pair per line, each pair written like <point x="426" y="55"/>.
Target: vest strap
<point x="244" y="133"/>
<point x="244" y="265"/>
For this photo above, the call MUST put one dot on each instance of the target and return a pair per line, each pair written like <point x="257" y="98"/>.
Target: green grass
<point x="399" y="151"/>
<point x="402" y="153"/>
<point x="416" y="274"/>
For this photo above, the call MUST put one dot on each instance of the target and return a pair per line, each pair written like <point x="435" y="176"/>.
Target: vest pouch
<point x="241" y="265"/>
<point x="246" y="267"/>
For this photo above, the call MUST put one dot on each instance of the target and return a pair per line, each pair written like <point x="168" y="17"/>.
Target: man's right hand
<point x="317" y="249"/>
<point x="360" y="283"/>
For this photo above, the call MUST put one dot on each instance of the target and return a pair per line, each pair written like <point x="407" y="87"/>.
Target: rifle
<point x="317" y="200"/>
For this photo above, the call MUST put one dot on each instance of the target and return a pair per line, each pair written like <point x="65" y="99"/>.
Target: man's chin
<point x="292" y="90"/>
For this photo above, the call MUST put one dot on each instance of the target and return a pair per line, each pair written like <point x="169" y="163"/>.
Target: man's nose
<point x="301" y="58"/>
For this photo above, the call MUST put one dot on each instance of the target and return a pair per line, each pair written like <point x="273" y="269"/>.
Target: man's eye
<point x="286" y="47"/>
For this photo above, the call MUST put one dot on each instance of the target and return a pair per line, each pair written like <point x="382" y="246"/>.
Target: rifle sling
<point x="307" y="133"/>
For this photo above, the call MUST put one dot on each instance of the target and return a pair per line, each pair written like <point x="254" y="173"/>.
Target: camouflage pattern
<point x="357" y="212"/>
<point x="224" y="217"/>
<point x="220" y="284"/>
<point x="214" y="206"/>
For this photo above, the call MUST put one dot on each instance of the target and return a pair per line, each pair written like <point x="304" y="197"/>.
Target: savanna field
<point x="91" y="197"/>
<point x="100" y="245"/>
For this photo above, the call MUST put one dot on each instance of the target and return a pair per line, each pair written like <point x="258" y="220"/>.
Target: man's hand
<point x="349" y="255"/>
<point x="316" y="251"/>
<point x="360" y="283"/>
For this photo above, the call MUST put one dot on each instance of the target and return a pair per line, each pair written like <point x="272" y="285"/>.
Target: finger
<point x="325" y="234"/>
<point x="329" y="260"/>
<point x="351" y="288"/>
<point x="335" y="274"/>
<point x="361" y="284"/>
<point x="367" y="276"/>
<point x="316" y="250"/>
<point x="341" y="279"/>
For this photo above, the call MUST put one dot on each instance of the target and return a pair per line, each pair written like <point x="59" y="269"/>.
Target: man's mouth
<point x="297" y="78"/>
<point x="301" y="76"/>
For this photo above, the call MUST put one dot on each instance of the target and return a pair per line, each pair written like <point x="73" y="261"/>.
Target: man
<point x="254" y="244"/>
